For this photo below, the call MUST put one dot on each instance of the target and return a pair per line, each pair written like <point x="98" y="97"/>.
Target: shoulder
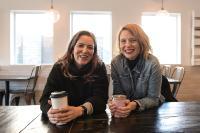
<point x="100" y="65"/>
<point x="56" y="69"/>
<point x="153" y="59"/>
<point x="117" y="60"/>
<point x="100" y="69"/>
<point x="56" y="66"/>
<point x="153" y="63"/>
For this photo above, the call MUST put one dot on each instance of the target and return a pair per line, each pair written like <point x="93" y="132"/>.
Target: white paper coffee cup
<point x="59" y="99"/>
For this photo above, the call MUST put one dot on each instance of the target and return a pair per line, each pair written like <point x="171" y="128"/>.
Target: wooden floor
<point x="190" y="87"/>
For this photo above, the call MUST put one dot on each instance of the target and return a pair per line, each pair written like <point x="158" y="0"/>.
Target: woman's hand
<point x="122" y="112"/>
<point x="69" y="113"/>
<point x="64" y="115"/>
<point x="53" y="115"/>
<point x="112" y="107"/>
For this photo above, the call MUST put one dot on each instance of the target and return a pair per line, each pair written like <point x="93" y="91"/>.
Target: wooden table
<point x="14" y="119"/>
<point x="7" y="79"/>
<point x="169" y="117"/>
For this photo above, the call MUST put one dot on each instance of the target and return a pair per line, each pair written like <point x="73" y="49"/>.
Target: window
<point x="164" y="34"/>
<point x="98" y="23"/>
<point x="31" y="38"/>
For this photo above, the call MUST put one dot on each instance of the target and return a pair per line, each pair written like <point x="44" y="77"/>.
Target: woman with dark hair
<point x="135" y="72"/>
<point x="82" y="75"/>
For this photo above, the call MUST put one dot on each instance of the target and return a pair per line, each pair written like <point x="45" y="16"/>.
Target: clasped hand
<point x="64" y="115"/>
<point x="121" y="112"/>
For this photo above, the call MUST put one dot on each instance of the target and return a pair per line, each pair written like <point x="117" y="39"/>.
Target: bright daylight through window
<point x="31" y="38"/>
<point x="164" y="34"/>
<point x="98" y="23"/>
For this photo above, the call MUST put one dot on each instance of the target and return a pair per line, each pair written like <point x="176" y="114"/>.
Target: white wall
<point x="123" y="12"/>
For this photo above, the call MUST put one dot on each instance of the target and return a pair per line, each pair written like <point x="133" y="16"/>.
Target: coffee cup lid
<point x="58" y="94"/>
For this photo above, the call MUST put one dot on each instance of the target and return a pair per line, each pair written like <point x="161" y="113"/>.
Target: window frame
<point x="94" y="13"/>
<point x="13" y="44"/>
<point x="178" y="34"/>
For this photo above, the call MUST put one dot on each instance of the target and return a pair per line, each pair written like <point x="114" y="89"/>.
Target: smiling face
<point x="128" y="45"/>
<point x="83" y="50"/>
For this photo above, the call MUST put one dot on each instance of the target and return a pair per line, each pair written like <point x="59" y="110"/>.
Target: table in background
<point x="7" y="79"/>
<point x="14" y="119"/>
<point x="169" y="117"/>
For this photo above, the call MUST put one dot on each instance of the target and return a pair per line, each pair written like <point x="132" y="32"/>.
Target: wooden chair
<point x="110" y="88"/>
<point x="29" y="91"/>
<point x="166" y="90"/>
<point x="42" y="79"/>
<point x="166" y="71"/>
<point x="2" y="92"/>
<point x="178" y="74"/>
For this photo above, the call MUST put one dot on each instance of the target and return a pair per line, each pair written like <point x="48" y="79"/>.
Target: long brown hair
<point x="69" y="58"/>
<point x="141" y="37"/>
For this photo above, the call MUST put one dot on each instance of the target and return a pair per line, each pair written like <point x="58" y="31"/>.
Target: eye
<point x="80" y="45"/>
<point x="122" y="41"/>
<point x="132" y="40"/>
<point x="90" y="47"/>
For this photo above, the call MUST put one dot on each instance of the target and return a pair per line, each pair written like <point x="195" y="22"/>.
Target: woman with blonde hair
<point x="135" y="72"/>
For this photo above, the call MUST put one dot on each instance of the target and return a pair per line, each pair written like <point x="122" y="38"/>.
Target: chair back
<point x="110" y="87"/>
<point x="41" y="81"/>
<point x="108" y="70"/>
<point x="166" y="70"/>
<point x="42" y="76"/>
<point x="33" y="78"/>
<point x="178" y="73"/>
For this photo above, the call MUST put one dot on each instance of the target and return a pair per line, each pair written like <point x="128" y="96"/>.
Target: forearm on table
<point x="147" y="102"/>
<point x="89" y="107"/>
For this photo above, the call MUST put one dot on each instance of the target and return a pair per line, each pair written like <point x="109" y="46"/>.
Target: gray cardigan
<point x="141" y="84"/>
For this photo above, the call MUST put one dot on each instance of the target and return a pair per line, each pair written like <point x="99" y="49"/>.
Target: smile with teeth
<point x="129" y="51"/>
<point x="84" y="57"/>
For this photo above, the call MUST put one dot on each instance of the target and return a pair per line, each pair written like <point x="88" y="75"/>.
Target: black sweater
<point x="79" y="91"/>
